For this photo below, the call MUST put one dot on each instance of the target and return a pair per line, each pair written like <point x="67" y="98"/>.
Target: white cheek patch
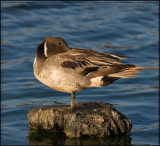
<point x="45" y="49"/>
<point x="35" y="59"/>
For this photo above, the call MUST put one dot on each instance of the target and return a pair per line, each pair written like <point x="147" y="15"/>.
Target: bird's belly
<point x="67" y="88"/>
<point x="61" y="84"/>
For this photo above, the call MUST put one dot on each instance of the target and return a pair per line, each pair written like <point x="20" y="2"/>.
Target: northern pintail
<point x="73" y="69"/>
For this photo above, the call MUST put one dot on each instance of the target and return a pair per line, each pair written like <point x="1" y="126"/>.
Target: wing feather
<point x="101" y="69"/>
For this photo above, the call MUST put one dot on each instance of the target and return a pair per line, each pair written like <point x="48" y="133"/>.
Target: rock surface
<point x="88" y="119"/>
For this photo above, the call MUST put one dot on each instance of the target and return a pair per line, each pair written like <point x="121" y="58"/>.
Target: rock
<point x="88" y="119"/>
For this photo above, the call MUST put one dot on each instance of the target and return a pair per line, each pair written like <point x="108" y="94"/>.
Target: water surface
<point x="122" y="28"/>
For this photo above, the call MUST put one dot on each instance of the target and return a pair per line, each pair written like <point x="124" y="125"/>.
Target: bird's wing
<point x="97" y="58"/>
<point x="100" y="68"/>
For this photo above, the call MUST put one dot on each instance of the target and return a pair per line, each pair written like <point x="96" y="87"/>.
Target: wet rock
<point x="88" y="119"/>
<point x="51" y="137"/>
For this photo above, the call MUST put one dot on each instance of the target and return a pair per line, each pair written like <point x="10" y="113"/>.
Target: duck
<point x="72" y="70"/>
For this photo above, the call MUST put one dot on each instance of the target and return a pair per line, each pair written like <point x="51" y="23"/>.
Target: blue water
<point x="122" y="28"/>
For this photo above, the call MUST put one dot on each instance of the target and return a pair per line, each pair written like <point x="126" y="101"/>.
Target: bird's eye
<point x="59" y="43"/>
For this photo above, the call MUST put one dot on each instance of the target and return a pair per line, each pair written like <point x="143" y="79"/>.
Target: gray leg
<point x="73" y="95"/>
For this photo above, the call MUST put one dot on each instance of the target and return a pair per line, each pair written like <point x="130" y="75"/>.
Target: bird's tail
<point x="147" y="67"/>
<point x="107" y="75"/>
<point x="129" y="72"/>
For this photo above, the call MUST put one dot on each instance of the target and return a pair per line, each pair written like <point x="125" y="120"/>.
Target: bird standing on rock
<point x="72" y="69"/>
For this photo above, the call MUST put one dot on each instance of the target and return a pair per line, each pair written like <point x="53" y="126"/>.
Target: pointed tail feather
<point x="147" y="67"/>
<point x="130" y="72"/>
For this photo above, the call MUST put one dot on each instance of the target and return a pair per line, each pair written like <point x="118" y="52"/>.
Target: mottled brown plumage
<point x="72" y="69"/>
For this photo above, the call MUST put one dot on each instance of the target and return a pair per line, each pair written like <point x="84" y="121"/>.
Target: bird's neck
<point x="39" y="59"/>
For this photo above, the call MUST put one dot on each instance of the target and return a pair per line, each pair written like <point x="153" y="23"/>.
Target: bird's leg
<point x="73" y="95"/>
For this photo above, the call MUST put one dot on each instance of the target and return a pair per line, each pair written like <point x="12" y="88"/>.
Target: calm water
<point x="127" y="29"/>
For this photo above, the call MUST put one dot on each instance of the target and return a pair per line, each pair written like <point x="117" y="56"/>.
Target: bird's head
<point x="51" y="46"/>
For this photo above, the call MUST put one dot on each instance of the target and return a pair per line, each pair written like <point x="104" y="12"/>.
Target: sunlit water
<point x="121" y="28"/>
